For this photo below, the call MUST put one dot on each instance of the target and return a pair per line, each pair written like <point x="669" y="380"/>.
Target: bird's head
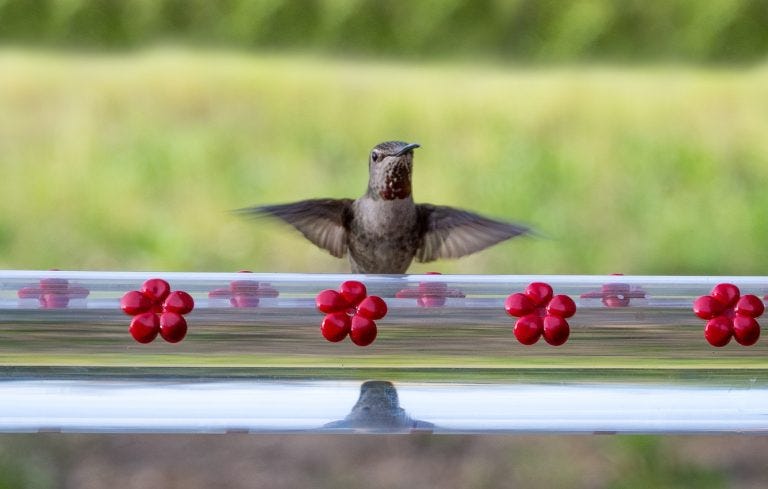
<point x="389" y="170"/>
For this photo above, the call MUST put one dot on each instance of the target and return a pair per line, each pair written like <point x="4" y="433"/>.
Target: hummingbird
<point x="384" y="230"/>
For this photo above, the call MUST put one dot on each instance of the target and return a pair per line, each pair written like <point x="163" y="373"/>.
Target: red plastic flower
<point x="245" y="293"/>
<point x="430" y="294"/>
<point x="729" y="314"/>
<point x="350" y="311"/>
<point x="540" y="314"/>
<point x="615" y="294"/>
<point x="53" y="293"/>
<point x="157" y="310"/>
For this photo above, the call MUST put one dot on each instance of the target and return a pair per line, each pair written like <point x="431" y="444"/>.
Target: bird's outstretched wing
<point x="451" y="233"/>
<point x="322" y="221"/>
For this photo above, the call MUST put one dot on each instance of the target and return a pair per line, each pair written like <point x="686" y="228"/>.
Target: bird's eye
<point x="374" y="156"/>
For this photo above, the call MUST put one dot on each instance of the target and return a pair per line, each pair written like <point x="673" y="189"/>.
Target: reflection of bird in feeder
<point x="378" y="409"/>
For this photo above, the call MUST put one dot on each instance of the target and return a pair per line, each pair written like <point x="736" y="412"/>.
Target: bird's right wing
<point x="452" y="233"/>
<point x="324" y="222"/>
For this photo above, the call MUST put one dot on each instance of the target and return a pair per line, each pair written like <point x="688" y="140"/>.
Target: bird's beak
<point x="407" y="148"/>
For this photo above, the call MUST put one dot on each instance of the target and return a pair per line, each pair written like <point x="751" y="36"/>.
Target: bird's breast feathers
<point x="385" y="218"/>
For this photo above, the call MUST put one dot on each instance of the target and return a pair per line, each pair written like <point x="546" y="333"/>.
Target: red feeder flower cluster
<point x="350" y="311"/>
<point x="53" y="293"/>
<point x="729" y="314"/>
<point x="540" y="313"/>
<point x="430" y="294"/>
<point x="615" y="294"/>
<point x="155" y="309"/>
<point x="245" y="293"/>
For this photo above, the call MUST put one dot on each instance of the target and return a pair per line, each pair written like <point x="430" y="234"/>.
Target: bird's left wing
<point x="451" y="233"/>
<point x="322" y="221"/>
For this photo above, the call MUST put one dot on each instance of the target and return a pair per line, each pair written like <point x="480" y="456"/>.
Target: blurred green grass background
<point x="531" y="31"/>
<point x="135" y="161"/>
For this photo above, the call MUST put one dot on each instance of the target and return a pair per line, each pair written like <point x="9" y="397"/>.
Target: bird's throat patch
<point x="397" y="184"/>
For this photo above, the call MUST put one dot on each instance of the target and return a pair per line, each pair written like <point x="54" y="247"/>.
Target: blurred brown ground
<point x="412" y="461"/>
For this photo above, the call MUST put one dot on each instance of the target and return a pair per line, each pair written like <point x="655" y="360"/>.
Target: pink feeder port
<point x="729" y="315"/>
<point x="540" y="313"/>
<point x="244" y="293"/>
<point x="430" y="294"/>
<point x="157" y="310"/>
<point x="53" y="293"/>
<point x="615" y="294"/>
<point x="350" y="311"/>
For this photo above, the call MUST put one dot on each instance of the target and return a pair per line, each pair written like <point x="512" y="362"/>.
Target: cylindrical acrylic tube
<point x="445" y="358"/>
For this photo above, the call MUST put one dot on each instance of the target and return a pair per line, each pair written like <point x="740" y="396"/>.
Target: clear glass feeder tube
<point x="636" y="359"/>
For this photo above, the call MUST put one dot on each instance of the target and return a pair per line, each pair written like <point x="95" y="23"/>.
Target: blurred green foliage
<point x="134" y="162"/>
<point x="521" y="30"/>
<point x="649" y="462"/>
<point x="24" y="465"/>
